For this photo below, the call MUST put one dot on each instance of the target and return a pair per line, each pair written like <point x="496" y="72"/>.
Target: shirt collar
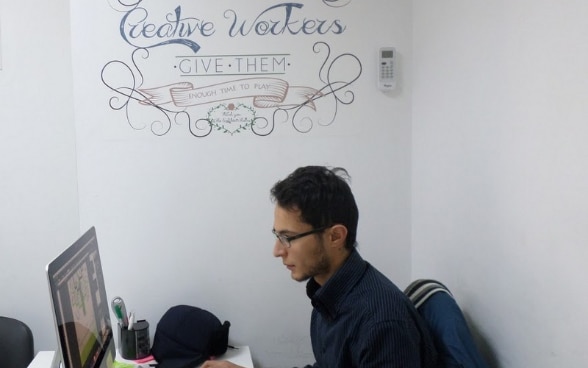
<point x="326" y="298"/>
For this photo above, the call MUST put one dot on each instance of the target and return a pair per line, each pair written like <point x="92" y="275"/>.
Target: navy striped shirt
<point x="361" y="319"/>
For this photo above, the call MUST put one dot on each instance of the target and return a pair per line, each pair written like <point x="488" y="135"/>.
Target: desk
<point x="240" y="356"/>
<point x="43" y="359"/>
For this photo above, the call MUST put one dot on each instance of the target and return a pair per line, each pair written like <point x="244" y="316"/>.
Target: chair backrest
<point x="447" y="324"/>
<point x="16" y="343"/>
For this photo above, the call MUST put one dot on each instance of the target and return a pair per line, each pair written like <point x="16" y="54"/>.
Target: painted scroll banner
<point x="265" y="92"/>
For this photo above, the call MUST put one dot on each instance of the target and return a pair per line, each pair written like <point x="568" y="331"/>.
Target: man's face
<point x="306" y="257"/>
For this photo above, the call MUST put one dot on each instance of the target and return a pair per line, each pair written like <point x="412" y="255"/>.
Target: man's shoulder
<point x="379" y="295"/>
<point x="373" y="280"/>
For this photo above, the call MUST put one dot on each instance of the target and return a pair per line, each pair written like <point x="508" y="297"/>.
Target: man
<point x="360" y="318"/>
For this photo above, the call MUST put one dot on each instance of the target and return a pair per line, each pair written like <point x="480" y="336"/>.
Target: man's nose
<point x="279" y="249"/>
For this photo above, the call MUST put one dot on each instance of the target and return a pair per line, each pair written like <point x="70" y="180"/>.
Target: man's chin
<point x="300" y="278"/>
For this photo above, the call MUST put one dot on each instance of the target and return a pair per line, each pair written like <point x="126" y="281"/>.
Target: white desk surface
<point x="43" y="359"/>
<point x="240" y="356"/>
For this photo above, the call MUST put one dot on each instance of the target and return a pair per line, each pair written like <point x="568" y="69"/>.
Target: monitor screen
<point x="80" y="306"/>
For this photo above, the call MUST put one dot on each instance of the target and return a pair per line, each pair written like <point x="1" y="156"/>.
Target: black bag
<point x="447" y="324"/>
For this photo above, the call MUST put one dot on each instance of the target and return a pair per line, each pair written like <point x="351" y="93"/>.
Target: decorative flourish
<point x="336" y="74"/>
<point x="262" y="127"/>
<point x="200" y="128"/>
<point x="336" y="3"/>
<point x="132" y="101"/>
<point x="131" y="4"/>
<point x="335" y="88"/>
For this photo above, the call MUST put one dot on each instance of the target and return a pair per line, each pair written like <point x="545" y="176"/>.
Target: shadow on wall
<point x="482" y="342"/>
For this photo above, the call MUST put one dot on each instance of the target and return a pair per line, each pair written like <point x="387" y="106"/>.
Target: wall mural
<point x="227" y="93"/>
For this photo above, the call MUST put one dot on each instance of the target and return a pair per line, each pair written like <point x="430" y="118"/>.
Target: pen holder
<point x="134" y="344"/>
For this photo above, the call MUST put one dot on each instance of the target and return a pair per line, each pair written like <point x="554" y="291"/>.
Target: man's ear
<point x="338" y="235"/>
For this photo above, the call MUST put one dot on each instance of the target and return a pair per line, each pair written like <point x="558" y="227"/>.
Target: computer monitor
<point x="80" y="306"/>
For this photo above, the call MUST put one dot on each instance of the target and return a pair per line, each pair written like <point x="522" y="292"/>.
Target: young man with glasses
<point x="360" y="318"/>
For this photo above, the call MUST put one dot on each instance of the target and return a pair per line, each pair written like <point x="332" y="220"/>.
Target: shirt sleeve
<point x="393" y="344"/>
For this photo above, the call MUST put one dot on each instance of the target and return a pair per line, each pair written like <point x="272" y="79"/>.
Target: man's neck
<point x="337" y="259"/>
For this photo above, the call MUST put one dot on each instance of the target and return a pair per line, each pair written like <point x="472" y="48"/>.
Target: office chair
<point x="16" y="343"/>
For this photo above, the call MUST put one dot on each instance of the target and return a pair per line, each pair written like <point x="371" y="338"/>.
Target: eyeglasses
<point x="285" y="240"/>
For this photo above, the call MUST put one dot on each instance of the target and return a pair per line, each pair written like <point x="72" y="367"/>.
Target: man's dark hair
<point x="323" y="197"/>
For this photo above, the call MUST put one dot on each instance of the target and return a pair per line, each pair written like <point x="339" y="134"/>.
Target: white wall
<point x="38" y="187"/>
<point x="500" y="171"/>
<point x="498" y="184"/>
<point x="182" y="219"/>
